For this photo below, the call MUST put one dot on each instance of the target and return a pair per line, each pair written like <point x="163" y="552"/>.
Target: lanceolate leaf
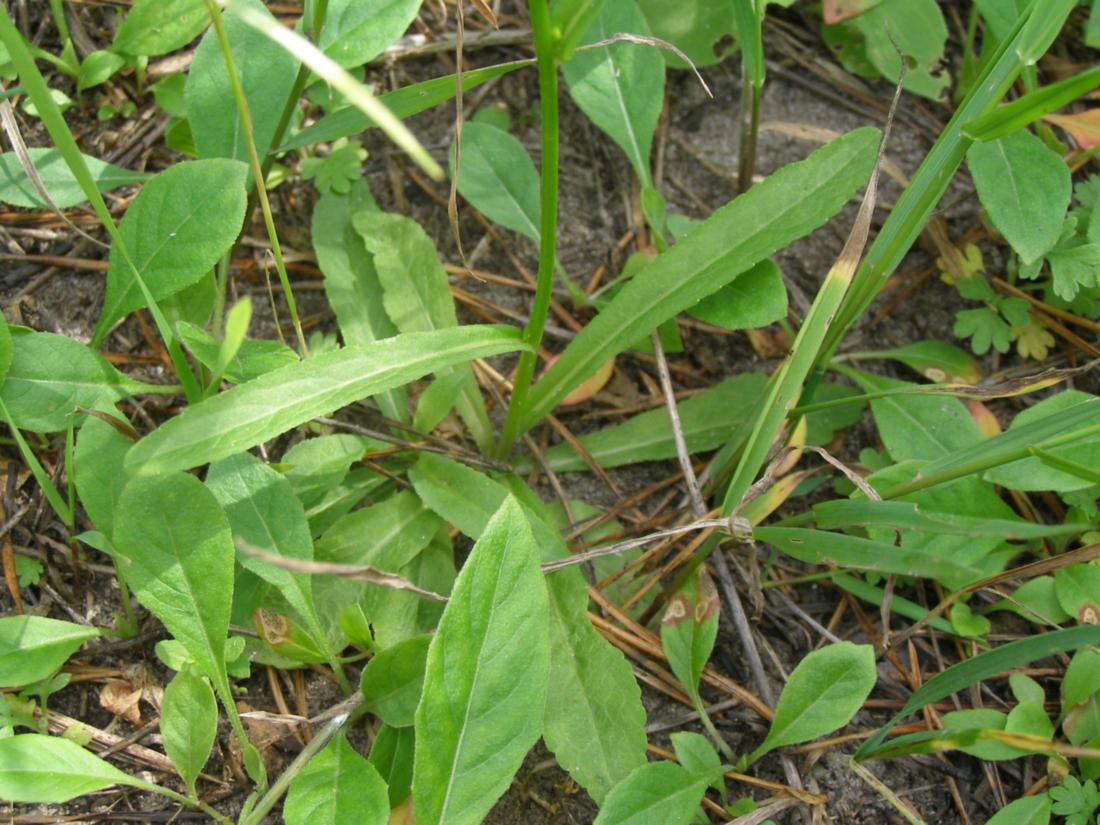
<point x="688" y="630"/>
<point x="17" y="190"/>
<point x="595" y="722"/>
<point x="180" y="567"/>
<point x="709" y="420"/>
<point x="351" y="281"/>
<point x="496" y="175"/>
<point x="188" y="723"/>
<point x="486" y="677"/>
<point x="177" y="228"/>
<point x="822" y="694"/>
<point x="660" y="793"/>
<point x="266" y="73"/>
<point x="265" y="407"/>
<point x="417" y="295"/>
<point x="392" y="681"/>
<point x="789" y="204"/>
<point x="620" y="85"/>
<point x="49" y="769"/>
<point x="33" y="648"/>
<point x="336" y="787"/>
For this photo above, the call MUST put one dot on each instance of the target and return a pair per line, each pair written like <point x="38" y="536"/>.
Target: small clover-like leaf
<point x="338" y="170"/>
<point x="1033" y="341"/>
<point x="1074" y="801"/>
<point x="985" y="328"/>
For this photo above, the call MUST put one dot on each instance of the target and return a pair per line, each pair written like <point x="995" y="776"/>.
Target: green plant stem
<point x="280" y="785"/>
<point x="749" y="17"/>
<point x="191" y="803"/>
<point x="59" y="132"/>
<point x="320" y="10"/>
<point x="245" y="115"/>
<point x="532" y="333"/>
<point x="58" y="9"/>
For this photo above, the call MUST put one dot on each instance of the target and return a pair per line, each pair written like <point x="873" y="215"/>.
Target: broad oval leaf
<point x="155" y="27"/>
<point x="357" y="31"/>
<point x="497" y="177"/>
<point x="620" y="86"/>
<point x="660" y="793"/>
<point x="50" y="769"/>
<point x="392" y="756"/>
<point x="17" y="190"/>
<point x="266" y="72"/>
<point x="188" y="723"/>
<point x="485" y="680"/>
<point x="822" y="694"/>
<point x="265" y="407"/>
<point x="179" y="225"/>
<point x="179" y="567"/>
<point x="392" y="680"/>
<point x="1025" y="188"/>
<point x="787" y="205"/>
<point x="32" y="648"/>
<point x="704" y="29"/>
<point x="688" y="630"/>
<point x="338" y="786"/>
<point x="51" y="375"/>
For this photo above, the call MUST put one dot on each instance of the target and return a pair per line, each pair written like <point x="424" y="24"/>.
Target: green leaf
<point x="819" y="547"/>
<point x="180" y="568"/>
<point x="1082" y="679"/>
<point x="497" y="177"/>
<point x="486" y="677"/>
<point x="1035" y="601"/>
<point x="253" y="359"/>
<point x="1030" y="107"/>
<point x="986" y="664"/>
<point x="51" y="375"/>
<point x="620" y="86"/>
<point x="917" y="30"/>
<point x="263" y="511"/>
<point x="417" y="295"/>
<point x="176" y="229"/>
<point x="404" y="103"/>
<point x="17" y="190"/>
<point x="924" y="427"/>
<point x="156" y="27"/>
<point x="688" y="630"/>
<point x="336" y="172"/>
<point x="822" y="694"/>
<point x="33" y="648"/>
<point x="356" y="31"/>
<point x="1025" y="188"/>
<point x="937" y="361"/>
<point x="316" y="465"/>
<point x="757" y="298"/>
<point x="660" y="793"/>
<point x="392" y="680"/>
<point x="1073" y="267"/>
<point x="595" y="722"/>
<point x="1031" y="810"/>
<point x="188" y="724"/>
<point x="96" y="68"/>
<point x="789" y="204"/>
<point x="392" y="756"/>
<point x="351" y="280"/>
<point x="985" y="327"/>
<point x="1031" y="474"/>
<point x="704" y="30"/>
<point x="265" y="407"/>
<point x="1078" y="590"/>
<point x="266" y="71"/>
<point x="696" y="754"/>
<point x="709" y="419"/>
<point x="50" y="769"/>
<point x="336" y="787"/>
